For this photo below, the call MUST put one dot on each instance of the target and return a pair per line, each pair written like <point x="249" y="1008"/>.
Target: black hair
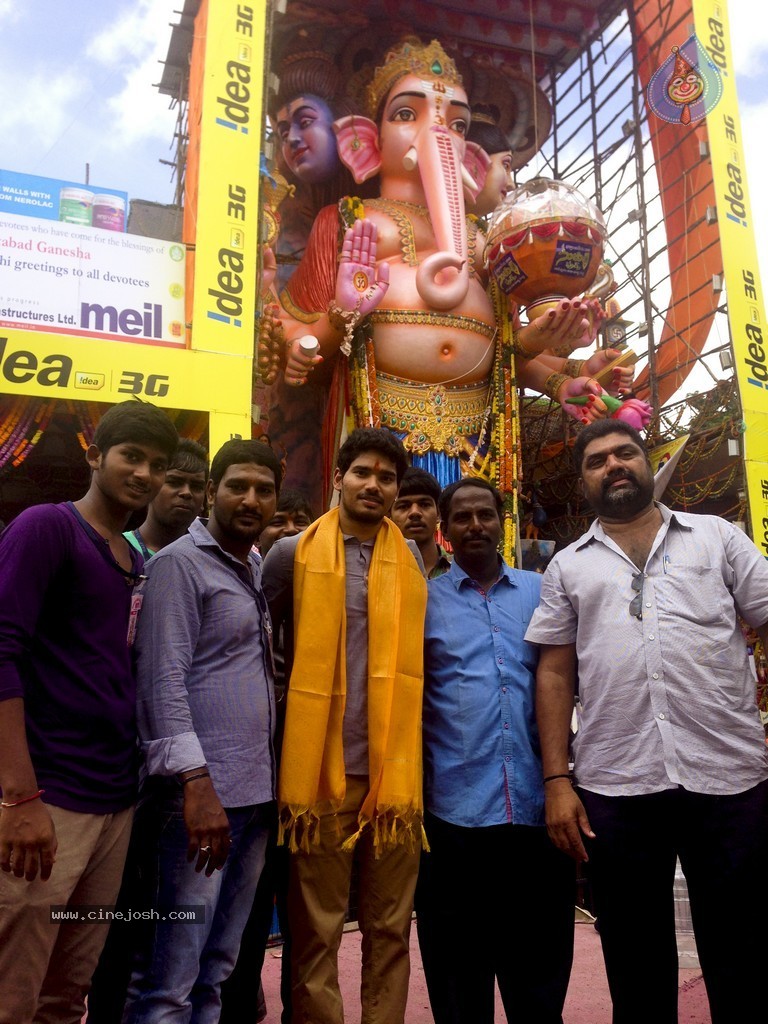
<point x="600" y="428"/>
<point x="310" y="73"/>
<point x="137" y="423"/>
<point x="419" y="481"/>
<point x="190" y="457"/>
<point x="372" y="439"/>
<point x="468" y="481"/>
<point x="292" y="500"/>
<point x="489" y="136"/>
<point x="237" y="451"/>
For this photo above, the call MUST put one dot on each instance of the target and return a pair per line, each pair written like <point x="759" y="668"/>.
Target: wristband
<point x="519" y="348"/>
<point x="563" y="775"/>
<point x="200" y="775"/>
<point x="553" y="384"/>
<point x="24" y="800"/>
<point x="344" y="321"/>
<point x="574" y="367"/>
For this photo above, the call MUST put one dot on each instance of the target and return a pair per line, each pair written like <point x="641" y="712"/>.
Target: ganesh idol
<point x="407" y="301"/>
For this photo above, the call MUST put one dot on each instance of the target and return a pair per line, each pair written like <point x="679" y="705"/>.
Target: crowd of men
<point x="352" y="695"/>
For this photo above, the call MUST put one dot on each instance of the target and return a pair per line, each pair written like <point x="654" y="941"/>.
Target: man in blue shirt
<point x="494" y="873"/>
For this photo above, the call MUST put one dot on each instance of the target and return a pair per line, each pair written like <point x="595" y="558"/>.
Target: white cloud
<point x="10" y="11"/>
<point x="141" y="29"/>
<point x="749" y="37"/>
<point x="134" y="44"/>
<point x="753" y="120"/>
<point x="48" y="108"/>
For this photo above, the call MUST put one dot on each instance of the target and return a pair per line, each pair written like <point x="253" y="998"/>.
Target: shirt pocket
<point x="694" y="597"/>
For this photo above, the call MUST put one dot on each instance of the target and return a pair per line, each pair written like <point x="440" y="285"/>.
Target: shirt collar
<point x="350" y="538"/>
<point x="203" y="538"/>
<point x="458" y="577"/>
<point x="669" y="518"/>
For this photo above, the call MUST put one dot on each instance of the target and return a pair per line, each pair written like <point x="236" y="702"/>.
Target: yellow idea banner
<point x="757" y="486"/>
<point x="227" y="231"/>
<point x="54" y="366"/>
<point x="746" y="308"/>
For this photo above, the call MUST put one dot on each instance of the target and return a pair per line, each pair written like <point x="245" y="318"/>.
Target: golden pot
<point x="545" y="242"/>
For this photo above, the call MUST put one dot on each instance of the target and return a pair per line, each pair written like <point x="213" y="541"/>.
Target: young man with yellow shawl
<point x="350" y="773"/>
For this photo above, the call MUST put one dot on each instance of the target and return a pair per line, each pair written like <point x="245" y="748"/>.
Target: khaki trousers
<point x="45" y="965"/>
<point x="318" y="894"/>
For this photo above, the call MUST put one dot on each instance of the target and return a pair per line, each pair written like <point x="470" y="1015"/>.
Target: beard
<point x="625" y="501"/>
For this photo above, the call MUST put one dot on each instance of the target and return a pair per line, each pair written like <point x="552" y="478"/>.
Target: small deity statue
<point x="485" y="131"/>
<point x="309" y="98"/>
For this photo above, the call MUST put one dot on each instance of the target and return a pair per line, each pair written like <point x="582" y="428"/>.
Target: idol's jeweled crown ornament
<point x="410" y="58"/>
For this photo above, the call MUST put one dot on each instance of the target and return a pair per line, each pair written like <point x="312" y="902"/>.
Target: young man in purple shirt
<point x="67" y="717"/>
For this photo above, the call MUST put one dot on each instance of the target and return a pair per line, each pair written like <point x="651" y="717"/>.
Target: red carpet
<point x="588" y="999"/>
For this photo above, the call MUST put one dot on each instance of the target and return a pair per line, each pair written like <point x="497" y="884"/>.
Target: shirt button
<point x="655" y="675"/>
<point x="506" y="725"/>
<point x="651" y="637"/>
<point x="507" y="758"/>
<point x="495" y="629"/>
<point x="662" y="716"/>
<point x="501" y="661"/>
<point x="503" y="689"/>
<point x="647" y="604"/>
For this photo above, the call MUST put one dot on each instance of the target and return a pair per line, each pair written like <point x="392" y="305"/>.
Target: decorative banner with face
<point x="687" y="86"/>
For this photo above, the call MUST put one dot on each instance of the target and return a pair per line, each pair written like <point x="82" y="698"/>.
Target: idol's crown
<point x="410" y="58"/>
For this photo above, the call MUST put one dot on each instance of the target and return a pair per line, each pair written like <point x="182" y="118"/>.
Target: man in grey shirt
<point x="670" y="759"/>
<point x="352" y="590"/>
<point x="206" y="720"/>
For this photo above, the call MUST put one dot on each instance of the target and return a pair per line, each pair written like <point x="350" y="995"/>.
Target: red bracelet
<point x="24" y="800"/>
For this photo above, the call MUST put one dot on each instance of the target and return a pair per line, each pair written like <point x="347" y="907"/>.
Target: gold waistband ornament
<point x="434" y="418"/>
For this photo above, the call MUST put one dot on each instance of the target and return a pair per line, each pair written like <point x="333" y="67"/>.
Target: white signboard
<point x="72" y="279"/>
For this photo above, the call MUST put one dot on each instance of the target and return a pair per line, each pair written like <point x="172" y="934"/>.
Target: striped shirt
<point x="205" y="677"/>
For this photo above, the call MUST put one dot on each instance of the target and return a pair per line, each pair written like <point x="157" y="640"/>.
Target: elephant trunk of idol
<point x="442" y="280"/>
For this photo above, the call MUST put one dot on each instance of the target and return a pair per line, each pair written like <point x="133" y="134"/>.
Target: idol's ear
<point x="476" y="163"/>
<point x="357" y="140"/>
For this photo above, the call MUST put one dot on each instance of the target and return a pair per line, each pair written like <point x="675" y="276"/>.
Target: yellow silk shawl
<point x="312" y="776"/>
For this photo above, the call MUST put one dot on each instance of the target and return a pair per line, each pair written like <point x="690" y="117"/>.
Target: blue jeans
<point x="177" y="976"/>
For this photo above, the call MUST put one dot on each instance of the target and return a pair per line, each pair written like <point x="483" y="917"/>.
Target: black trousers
<point x="722" y="843"/>
<point x="495" y="904"/>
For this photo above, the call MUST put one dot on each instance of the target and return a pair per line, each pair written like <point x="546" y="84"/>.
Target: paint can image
<point x="109" y="212"/>
<point x="75" y="205"/>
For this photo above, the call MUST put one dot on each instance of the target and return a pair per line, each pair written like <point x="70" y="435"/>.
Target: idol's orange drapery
<point x="192" y="170"/>
<point x="686" y="190"/>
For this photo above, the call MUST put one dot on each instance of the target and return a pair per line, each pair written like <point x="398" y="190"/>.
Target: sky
<point x="77" y="80"/>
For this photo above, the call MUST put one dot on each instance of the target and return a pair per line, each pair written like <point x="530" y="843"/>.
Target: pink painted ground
<point x="588" y="999"/>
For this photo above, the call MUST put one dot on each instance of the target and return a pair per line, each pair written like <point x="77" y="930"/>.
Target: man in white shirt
<point x="670" y="759"/>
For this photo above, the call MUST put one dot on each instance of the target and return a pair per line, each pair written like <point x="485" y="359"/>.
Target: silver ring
<point x="205" y="849"/>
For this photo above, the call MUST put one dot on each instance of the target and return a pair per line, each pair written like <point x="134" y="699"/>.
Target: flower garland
<point x="23" y="426"/>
